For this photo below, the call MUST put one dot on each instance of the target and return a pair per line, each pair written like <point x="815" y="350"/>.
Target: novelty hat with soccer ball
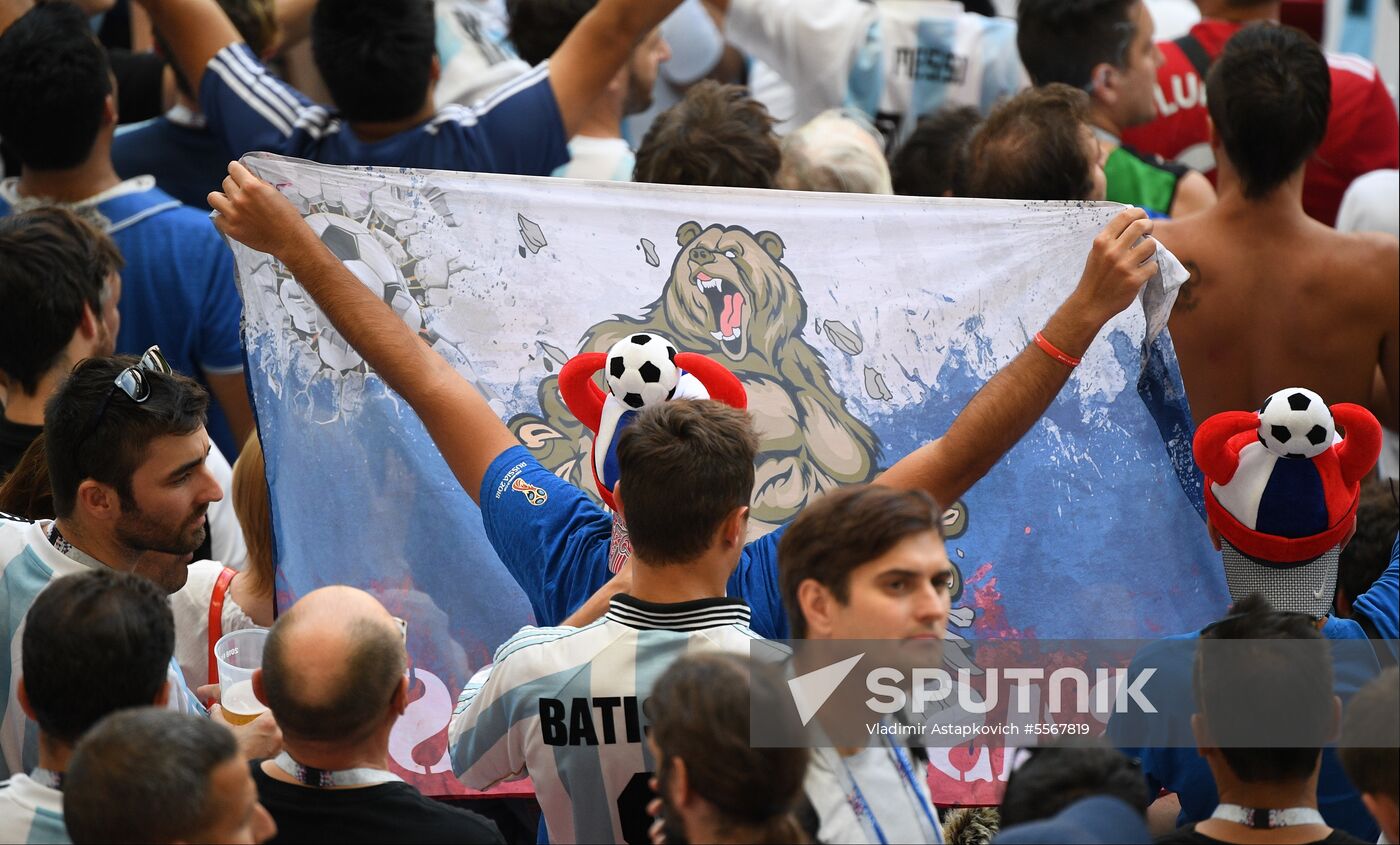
<point x="1282" y="485"/>
<point x="642" y="369"/>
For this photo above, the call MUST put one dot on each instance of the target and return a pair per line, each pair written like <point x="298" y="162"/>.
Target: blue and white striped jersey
<point x="564" y="706"/>
<point x="31" y="813"/>
<point x="894" y="60"/>
<point x="28" y="562"/>
<point x="517" y="129"/>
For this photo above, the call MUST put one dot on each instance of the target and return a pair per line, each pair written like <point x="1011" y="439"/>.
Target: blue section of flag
<point x="1047" y="553"/>
<point x="361" y="496"/>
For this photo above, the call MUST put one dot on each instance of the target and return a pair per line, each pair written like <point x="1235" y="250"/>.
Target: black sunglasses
<point x="132" y="381"/>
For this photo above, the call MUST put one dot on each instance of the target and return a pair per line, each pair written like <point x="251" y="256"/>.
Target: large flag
<point x="860" y="325"/>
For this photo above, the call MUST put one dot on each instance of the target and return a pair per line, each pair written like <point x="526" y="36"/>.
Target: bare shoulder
<point x="1175" y="234"/>
<point x="1194" y="193"/>
<point x="1363" y="269"/>
<point x="1370" y="256"/>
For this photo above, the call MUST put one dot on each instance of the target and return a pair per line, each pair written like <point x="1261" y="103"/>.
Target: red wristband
<point x="1053" y="351"/>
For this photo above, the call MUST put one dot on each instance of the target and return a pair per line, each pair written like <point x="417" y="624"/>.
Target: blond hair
<point x="251" y="503"/>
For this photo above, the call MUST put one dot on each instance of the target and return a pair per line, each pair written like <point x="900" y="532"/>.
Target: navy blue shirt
<point x="555" y="541"/>
<point x="187" y="159"/>
<point x="517" y="129"/>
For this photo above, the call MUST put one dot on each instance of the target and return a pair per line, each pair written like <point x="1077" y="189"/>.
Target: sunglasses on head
<point x="132" y="381"/>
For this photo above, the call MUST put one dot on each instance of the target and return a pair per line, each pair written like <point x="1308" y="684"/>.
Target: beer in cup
<point x="238" y="654"/>
<point x="240" y="705"/>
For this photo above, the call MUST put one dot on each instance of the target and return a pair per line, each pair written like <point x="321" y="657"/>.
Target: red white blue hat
<point x="1282" y="483"/>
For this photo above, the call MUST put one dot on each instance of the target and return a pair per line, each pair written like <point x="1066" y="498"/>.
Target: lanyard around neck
<point x="326" y="778"/>
<point x="906" y="771"/>
<point x="70" y="551"/>
<point x="1264" y="819"/>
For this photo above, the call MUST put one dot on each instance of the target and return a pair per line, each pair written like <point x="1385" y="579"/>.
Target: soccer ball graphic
<point x="641" y="370"/>
<point x="367" y="258"/>
<point x="1295" y="423"/>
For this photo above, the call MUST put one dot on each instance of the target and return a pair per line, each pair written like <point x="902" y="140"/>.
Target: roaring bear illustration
<point x="731" y="297"/>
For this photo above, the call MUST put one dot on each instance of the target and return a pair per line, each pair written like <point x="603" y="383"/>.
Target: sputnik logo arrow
<point x="810" y="691"/>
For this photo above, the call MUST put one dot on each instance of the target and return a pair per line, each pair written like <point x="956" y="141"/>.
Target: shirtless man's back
<point x="1275" y="298"/>
<point x="1278" y="300"/>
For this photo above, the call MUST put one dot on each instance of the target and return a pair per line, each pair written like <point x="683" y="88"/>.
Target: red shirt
<point x="1362" y="132"/>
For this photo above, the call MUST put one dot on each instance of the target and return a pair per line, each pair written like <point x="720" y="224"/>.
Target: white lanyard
<point x="325" y="778"/>
<point x="1262" y="819"/>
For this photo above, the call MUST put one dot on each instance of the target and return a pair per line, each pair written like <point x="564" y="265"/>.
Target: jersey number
<point x="632" y="809"/>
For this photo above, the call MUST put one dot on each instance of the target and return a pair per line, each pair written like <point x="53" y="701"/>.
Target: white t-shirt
<point x="31" y="812"/>
<point x="893" y="60"/>
<point x="854" y="796"/>
<point x="605" y="159"/>
<point x="1372" y="204"/>
<point x="1173" y="18"/>
<point x="191" y="609"/>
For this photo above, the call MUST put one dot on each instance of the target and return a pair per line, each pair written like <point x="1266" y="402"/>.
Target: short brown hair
<point x="717" y="136"/>
<point x="1031" y="147"/>
<point x="843" y="530"/>
<point x="683" y="467"/>
<point x="53" y="264"/>
<point x="93" y="430"/>
<point x="700" y="712"/>
<point x="1370" y="730"/>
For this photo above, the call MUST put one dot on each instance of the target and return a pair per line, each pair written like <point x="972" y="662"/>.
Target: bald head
<point x="332" y="666"/>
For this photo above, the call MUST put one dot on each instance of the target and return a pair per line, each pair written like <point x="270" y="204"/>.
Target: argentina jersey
<point x="920" y="57"/>
<point x="567" y="707"/>
<point x="31" y="812"/>
<point x="894" y="60"/>
<point x="28" y="562"/>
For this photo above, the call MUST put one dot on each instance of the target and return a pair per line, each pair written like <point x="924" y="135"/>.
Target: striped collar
<point x="680" y="616"/>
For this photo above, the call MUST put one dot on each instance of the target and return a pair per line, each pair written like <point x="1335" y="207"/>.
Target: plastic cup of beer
<point x="238" y="655"/>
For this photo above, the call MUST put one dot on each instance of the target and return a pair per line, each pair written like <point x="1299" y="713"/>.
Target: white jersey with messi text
<point x="565" y="707"/>
<point x="28" y="563"/>
<point x="893" y="60"/>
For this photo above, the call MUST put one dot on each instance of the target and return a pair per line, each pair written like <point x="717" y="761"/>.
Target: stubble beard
<point x="163" y="554"/>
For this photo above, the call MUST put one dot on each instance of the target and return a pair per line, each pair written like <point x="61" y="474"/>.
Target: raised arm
<point x="461" y="423"/>
<point x="596" y="49"/>
<point x="1010" y="403"/>
<point x="196" y="30"/>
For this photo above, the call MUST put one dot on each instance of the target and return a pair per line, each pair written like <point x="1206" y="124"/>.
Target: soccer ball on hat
<point x="641" y="370"/>
<point x="1296" y="423"/>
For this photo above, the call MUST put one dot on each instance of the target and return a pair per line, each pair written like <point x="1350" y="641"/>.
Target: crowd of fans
<point x="129" y="543"/>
